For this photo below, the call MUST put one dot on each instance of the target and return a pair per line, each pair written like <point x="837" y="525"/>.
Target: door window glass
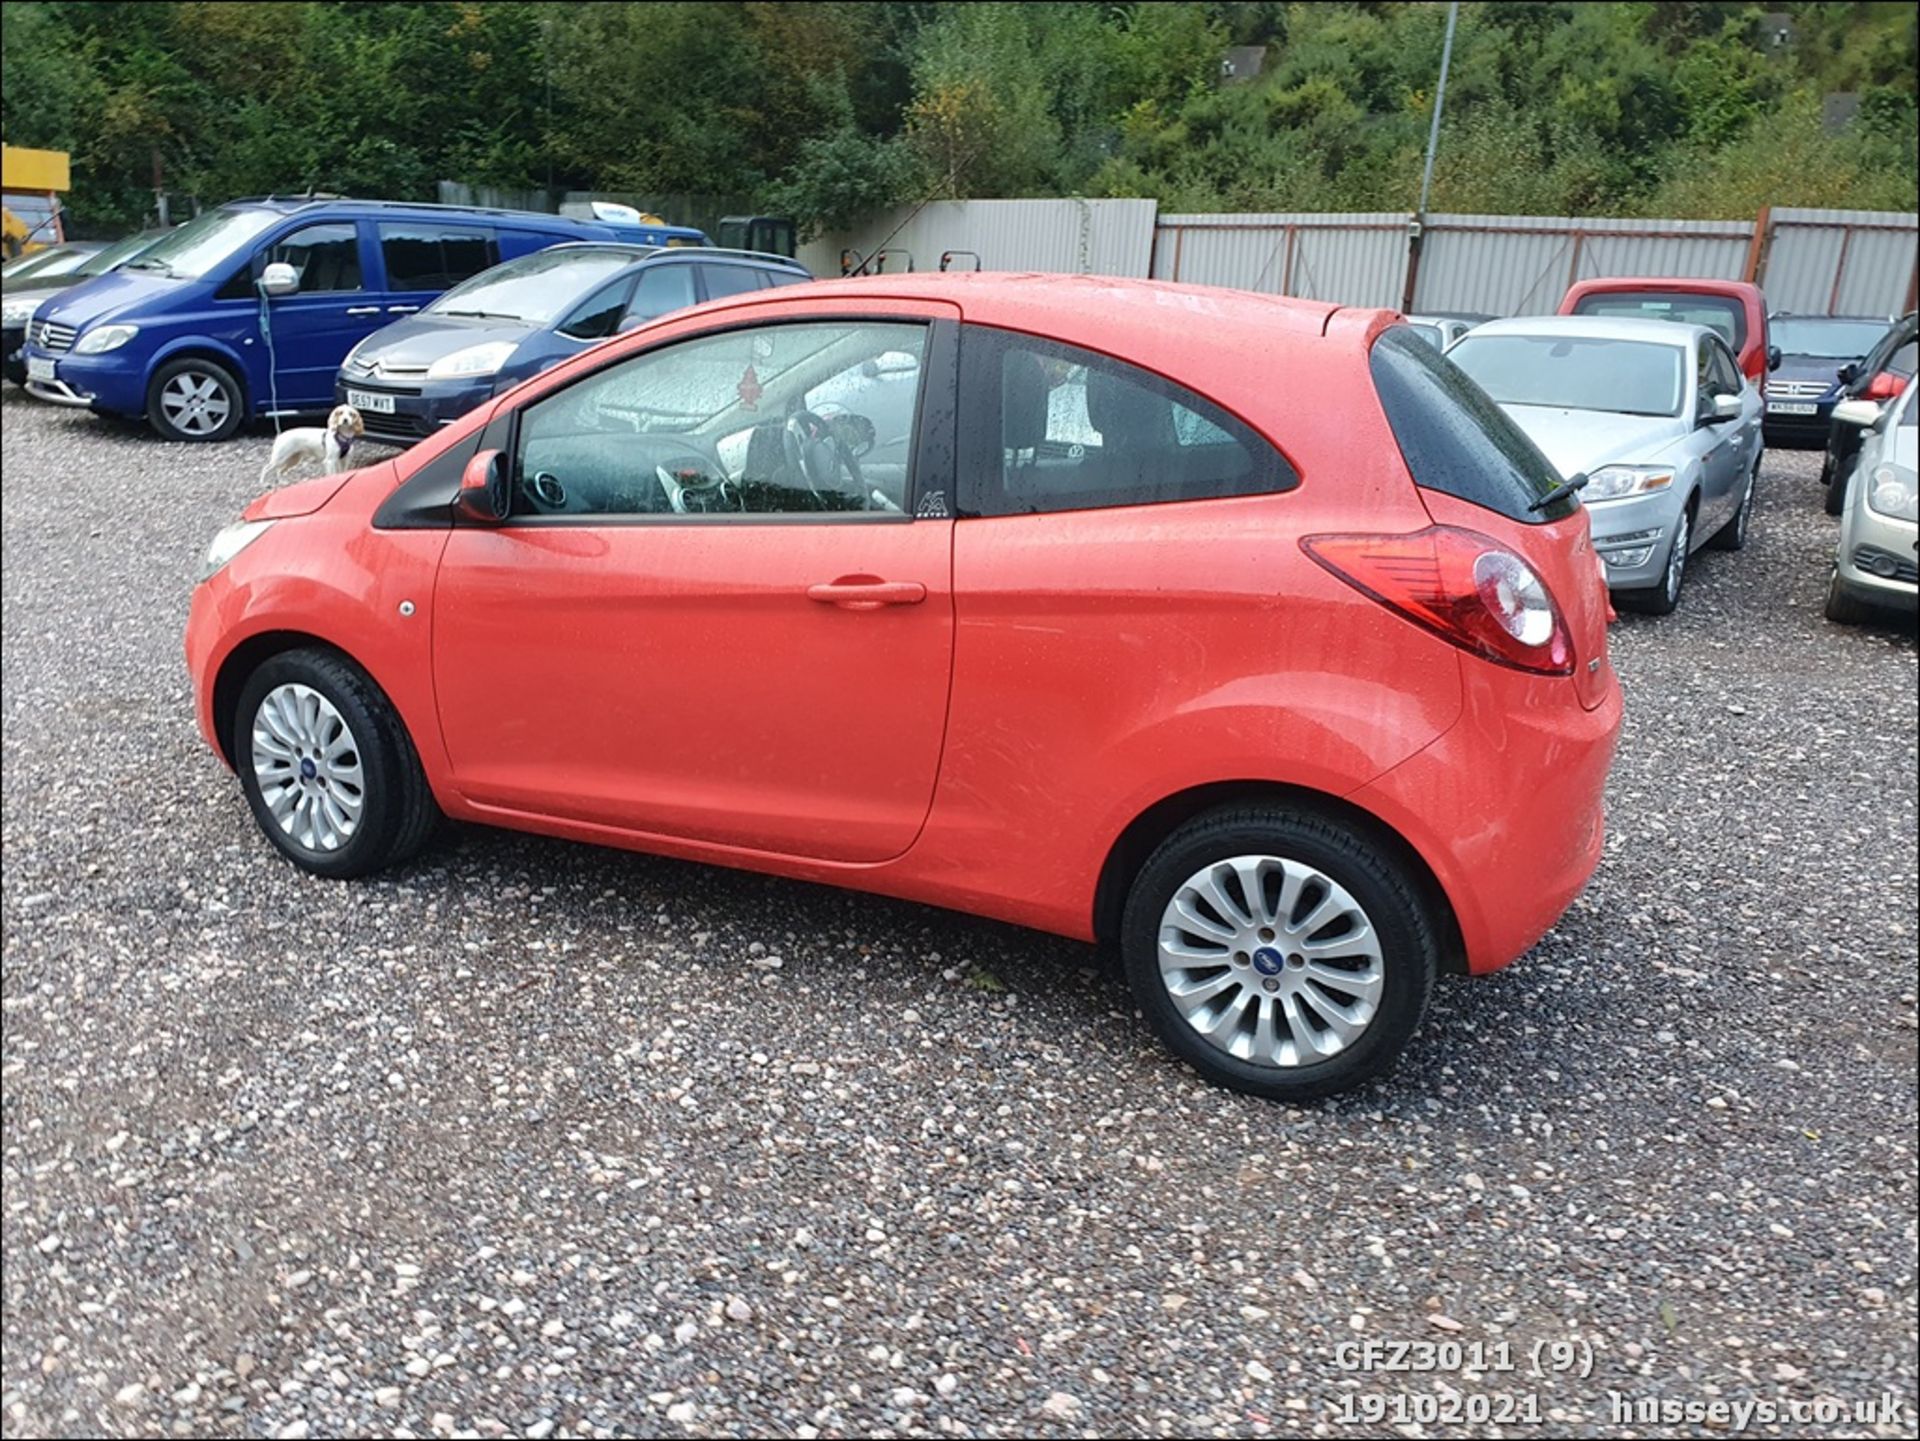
<point x="1727" y="379"/>
<point x="723" y="280"/>
<point x="662" y="289"/>
<point x="428" y="256"/>
<point x="774" y="420"/>
<point x="327" y="257"/>
<point x="1048" y="427"/>
<point x="600" y="313"/>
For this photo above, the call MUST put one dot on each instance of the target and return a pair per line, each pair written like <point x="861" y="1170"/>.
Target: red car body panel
<point x="671" y="688"/>
<point x="1751" y="299"/>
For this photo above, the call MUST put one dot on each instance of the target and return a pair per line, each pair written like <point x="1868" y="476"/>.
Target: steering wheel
<point x="814" y="451"/>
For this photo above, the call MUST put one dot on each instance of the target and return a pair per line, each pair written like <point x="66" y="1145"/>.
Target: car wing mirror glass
<point x="1773" y="357"/>
<point x="483" y="497"/>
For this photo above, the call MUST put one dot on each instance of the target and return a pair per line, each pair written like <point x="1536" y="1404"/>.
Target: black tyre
<point x="1836" y="501"/>
<point x="327" y="766"/>
<point x="1733" y="535"/>
<point x="195" y="399"/>
<point x="1279" y="952"/>
<point x="1843" y="606"/>
<point x="1664" y="598"/>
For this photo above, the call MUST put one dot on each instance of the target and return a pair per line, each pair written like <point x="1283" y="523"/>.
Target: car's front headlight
<point x="103" y="338"/>
<point x="1618" y="482"/>
<point x="18" y="312"/>
<point x="229" y="543"/>
<point x="474" y="360"/>
<point x="1894" y="492"/>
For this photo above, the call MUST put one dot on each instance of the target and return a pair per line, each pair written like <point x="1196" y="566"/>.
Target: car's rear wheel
<point x="195" y="399"/>
<point x="328" y="767"/>
<point x="1279" y="952"/>
<point x="1843" y="606"/>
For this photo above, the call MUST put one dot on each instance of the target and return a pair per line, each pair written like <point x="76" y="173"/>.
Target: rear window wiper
<point x="1566" y="490"/>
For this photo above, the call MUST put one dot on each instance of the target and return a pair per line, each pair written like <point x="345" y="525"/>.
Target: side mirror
<point x="1717" y="409"/>
<point x="1863" y="413"/>
<point x="1773" y="357"/>
<point x="279" y="279"/>
<point x="483" y="497"/>
<point x="1847" y="373"/>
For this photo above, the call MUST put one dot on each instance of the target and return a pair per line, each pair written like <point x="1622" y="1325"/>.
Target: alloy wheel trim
<point x="307" y="763"/>
<point x="1271" y="961"/>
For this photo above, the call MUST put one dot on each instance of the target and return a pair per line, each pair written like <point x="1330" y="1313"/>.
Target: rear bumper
<point x="1508" y="807"/>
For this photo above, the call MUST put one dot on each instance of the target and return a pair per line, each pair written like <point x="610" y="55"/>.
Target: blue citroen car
<point x="249" y="309"/>
<point x="492" y="332"/>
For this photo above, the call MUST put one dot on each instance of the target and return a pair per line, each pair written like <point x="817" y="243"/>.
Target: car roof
<point x="1087" y="305"/>
<point x="412" y="209"/>
<point x="1595" y="327"/>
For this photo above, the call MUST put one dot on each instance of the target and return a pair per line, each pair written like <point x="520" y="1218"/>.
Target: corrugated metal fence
<point x="1839" y="262"/>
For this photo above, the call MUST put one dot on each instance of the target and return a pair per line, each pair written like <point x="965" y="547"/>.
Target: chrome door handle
<point x="866" y="592"/>
<point x="401" y="309"/>
<point x="363" y="310"/>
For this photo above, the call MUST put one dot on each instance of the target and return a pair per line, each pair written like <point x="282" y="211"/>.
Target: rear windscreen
<point x="1726" y="317"/>
<point x="1453" y="438"/>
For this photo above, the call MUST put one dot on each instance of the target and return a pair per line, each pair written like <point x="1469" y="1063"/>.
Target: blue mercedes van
<point x="249" y="309"/>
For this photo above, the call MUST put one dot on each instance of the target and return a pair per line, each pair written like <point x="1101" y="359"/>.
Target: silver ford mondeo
<point x="1658" y="418"/>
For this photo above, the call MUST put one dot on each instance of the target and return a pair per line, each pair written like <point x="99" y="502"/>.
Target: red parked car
<point x="1736" y="309"/>
<point x="1244" y="633"/>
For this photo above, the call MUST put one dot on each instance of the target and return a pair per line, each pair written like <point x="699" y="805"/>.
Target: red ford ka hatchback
<point x="1243" y="633"/>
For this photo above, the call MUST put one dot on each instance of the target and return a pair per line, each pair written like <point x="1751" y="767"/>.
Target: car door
<point x="700" y="622"/>
<point x="334" y="309"/>
<point x="1713" y="442"/>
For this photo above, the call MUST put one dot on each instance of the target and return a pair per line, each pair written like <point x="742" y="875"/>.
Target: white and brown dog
<point x="328" y="446"/>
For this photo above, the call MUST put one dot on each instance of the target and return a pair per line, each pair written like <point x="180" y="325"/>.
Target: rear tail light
<point x="1884" y="386"/>
<point x="1464" y="587"/>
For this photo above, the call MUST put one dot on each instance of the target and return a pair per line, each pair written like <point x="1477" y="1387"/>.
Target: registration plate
<point x="1792" y="407"/>
<point x="370" y="400"/>
<point x="38" y="368"/>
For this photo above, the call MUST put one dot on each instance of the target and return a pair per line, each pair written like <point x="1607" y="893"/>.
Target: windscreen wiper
<point x="1560" y="492"/>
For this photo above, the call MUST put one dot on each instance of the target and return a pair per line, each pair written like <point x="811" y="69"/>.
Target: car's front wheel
<point x="328" y="767"/>
<point x="195" y="399"/>
<point x="1278" y="952"/>
<point x="1664" y="598"/>
<point x="1733" y="535"/>
<point x="1843" y="606"/>
<point x="1836" y="500"/>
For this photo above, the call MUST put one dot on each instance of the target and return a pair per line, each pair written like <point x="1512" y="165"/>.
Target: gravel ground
<point x="534" y="1139"/>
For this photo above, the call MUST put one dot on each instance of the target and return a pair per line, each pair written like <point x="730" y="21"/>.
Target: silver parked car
<point x="1658" y="418"/>
<point x="1877" y="566"/>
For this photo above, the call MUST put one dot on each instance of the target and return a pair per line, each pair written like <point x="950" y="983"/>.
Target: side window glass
<point x="662" y="290"/>
<point x="776" y="420"/>
<point x="1727" y="376"/>
<point x="1703" y="380"/>
<point x="434" y="257"/>
<point x="326" y="256"/>
<point x="1056" y="428"/>
<point x="599" y="315"/>
<point x="723" y="280"/>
